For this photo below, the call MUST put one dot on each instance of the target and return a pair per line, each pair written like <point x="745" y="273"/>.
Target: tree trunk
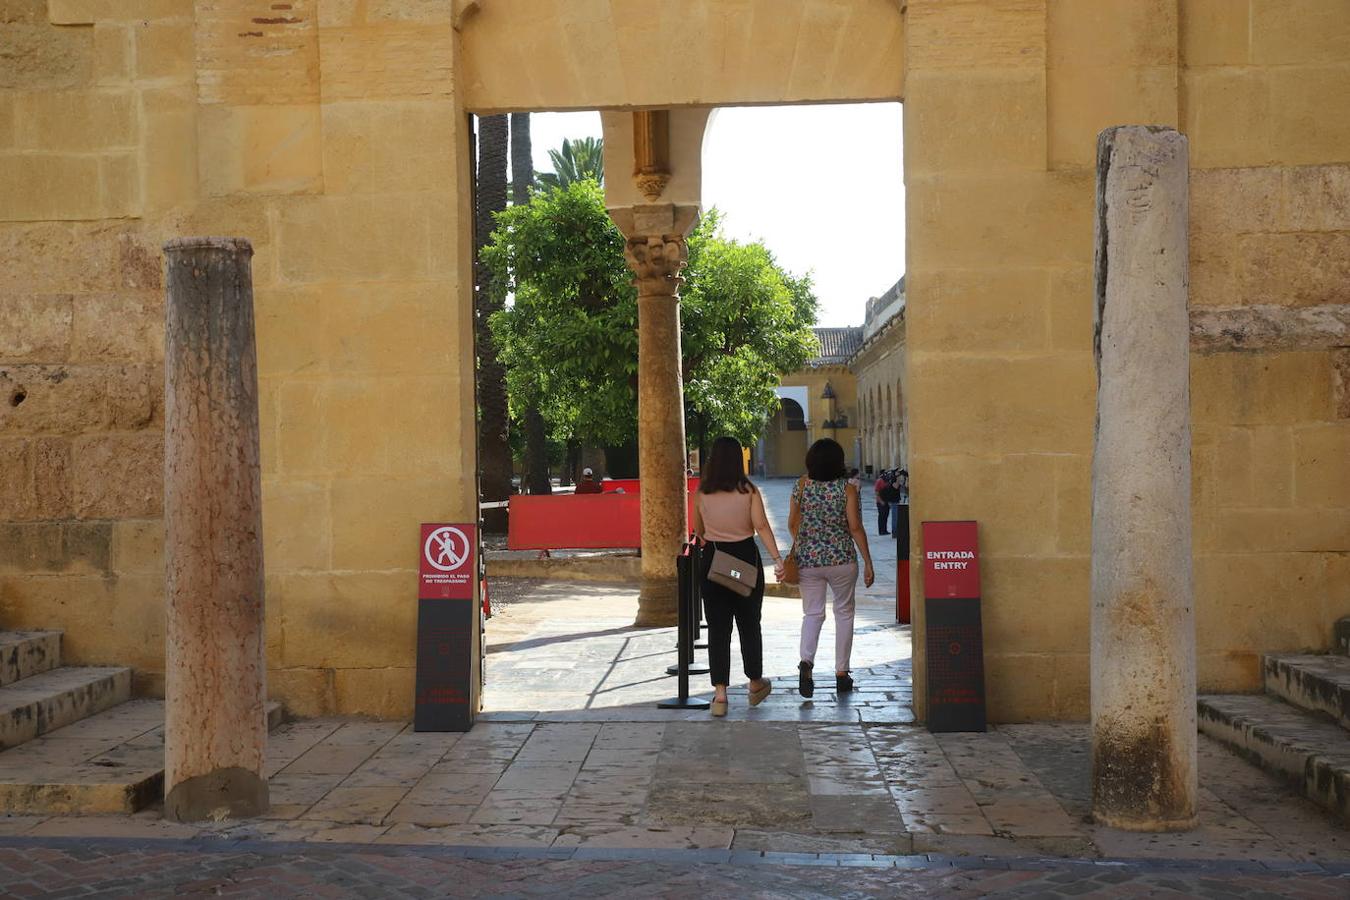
<point x="573" y="462"/>
<point x="536" y="433"/>
<point x="494" y="450"/>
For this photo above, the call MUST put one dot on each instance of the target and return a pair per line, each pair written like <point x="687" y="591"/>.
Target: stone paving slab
<point x="111" y="762"/>
<point x="627" y="779"/>
<point x="164" y="868"/>
<point x="715" y="785"/>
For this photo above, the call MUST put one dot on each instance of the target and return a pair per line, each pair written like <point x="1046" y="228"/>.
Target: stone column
<point x="1143" y="623"/>
<point x="656" y="260"/>
<point x="215" y="692"/>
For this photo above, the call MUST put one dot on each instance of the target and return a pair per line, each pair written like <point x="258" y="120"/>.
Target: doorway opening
<point x="561" y="643"/>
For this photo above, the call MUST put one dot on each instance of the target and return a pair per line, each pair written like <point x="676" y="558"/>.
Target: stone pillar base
<point x="658" y="603"/>
<point x="1148" y="826"/>
<point x="223" y="794"/>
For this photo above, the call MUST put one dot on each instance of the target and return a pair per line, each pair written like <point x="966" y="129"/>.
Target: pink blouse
<point x="731" y="515"/>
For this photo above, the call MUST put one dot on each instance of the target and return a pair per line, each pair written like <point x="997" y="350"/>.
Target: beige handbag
<point x="733" y="573"/>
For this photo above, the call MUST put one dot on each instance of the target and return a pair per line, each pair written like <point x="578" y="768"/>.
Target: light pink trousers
<point x="841" y="581"/>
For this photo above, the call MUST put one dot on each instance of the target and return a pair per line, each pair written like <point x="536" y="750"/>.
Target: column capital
<point x="656" y="260"/>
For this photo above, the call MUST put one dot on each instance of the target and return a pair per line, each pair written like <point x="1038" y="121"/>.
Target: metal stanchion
<point x="698" y="612"/>
<point x="692" y="595"/>
<point x="687" y="569"/>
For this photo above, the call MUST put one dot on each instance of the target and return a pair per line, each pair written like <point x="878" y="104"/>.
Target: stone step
<point x="49" y="700"/>
<point x="1310" y="753"/>
<point x="112" y="762"/>
<point x="27" y="653"/>
<point x="1319" y="684"/>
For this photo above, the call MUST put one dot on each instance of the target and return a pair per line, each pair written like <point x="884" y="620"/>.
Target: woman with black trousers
<point x="728" y="513"/>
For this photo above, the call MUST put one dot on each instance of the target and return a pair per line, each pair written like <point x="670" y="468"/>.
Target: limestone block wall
<point x="95" y="128"/>
<point x="331" y="136"/>
<point x="1270" y="227"/>
<point x="1003" y="102"/>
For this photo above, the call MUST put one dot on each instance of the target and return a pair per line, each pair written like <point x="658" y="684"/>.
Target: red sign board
<point x="448" y="568"/>
<point x="951" y="560"/>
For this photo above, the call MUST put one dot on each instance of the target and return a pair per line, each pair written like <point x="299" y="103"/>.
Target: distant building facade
<point x="850" y="391"/>
<point x="879" y="366"/>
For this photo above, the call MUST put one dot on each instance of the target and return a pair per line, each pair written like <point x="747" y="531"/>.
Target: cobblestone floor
<point x="174" y="869"/>
<point x="575" y="784"/>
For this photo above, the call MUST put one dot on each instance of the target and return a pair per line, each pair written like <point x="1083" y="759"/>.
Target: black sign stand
<point x="444" y="646"/>
<point x="448" y="682"/>
<point x="955" y="665"/>
<point x="954" y="637"/>
<point x="687" y="578"/>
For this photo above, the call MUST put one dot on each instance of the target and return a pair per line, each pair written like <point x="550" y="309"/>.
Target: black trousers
<point x="883" y="513"/>
<point x="722" y="606"/>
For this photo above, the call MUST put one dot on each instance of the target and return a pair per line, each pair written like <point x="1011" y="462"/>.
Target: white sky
<point x="820" y="185"/>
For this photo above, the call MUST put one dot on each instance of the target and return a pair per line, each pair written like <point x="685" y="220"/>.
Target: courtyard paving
<point x="572" y="753"/>
<point x="574" y="783"/>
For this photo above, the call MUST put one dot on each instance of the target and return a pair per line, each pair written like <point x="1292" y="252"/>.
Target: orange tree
<point x="568" y="337"/>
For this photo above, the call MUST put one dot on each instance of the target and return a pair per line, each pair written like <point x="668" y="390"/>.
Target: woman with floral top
<point x="826" y="525"/>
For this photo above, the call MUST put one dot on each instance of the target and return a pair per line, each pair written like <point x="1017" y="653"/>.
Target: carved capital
<point x="656" y="260"/>
<point x="652" y="185"/>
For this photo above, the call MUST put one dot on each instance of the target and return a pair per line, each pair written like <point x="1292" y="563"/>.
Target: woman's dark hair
<point x="725" y="468"/>
<point x="825" y="460"/>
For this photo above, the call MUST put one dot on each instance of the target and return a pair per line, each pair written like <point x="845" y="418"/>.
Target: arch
<point x="799" y="395"/>
<point x="794" y="417"/>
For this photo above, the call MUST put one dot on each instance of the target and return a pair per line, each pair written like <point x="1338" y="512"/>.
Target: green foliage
<point x="569" y="341"/>
<point x="745" y="322"/>
<point x="577" y="161"/>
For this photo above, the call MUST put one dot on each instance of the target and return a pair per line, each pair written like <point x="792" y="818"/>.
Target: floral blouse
<point x="823" y="538"/>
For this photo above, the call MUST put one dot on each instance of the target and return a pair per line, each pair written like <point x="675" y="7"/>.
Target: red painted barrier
<point x="634" y="485"/>
<point x="576" y="521"/>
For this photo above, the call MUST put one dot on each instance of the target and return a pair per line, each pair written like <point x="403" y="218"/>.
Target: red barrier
<point x="634" y="485"/>
<point x="576" y="521"/>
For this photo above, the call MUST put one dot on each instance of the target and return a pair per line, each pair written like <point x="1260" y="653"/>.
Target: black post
<point x="691" y="596"/>
<point x="698" y="603"/>
<point x="687" y="571"/>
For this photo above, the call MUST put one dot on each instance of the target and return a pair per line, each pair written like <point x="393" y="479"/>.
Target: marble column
<point x="656" y="260"/>
<point x="1143" y="621"/>
<point x="215" y="729"/>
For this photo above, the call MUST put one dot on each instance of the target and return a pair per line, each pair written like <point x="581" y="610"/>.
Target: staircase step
<point x="49" y="700"/>
<point x="112" y="762"/>
<point x="1310" y="753"/>
<point x="1319" y="684"/>
<point x="27" y="653"/>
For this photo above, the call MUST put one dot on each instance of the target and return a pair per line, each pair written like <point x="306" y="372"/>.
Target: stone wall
<point x="90" y="117"/>
<point x="1003" y="101"/>
<point x="332" y="135"/>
